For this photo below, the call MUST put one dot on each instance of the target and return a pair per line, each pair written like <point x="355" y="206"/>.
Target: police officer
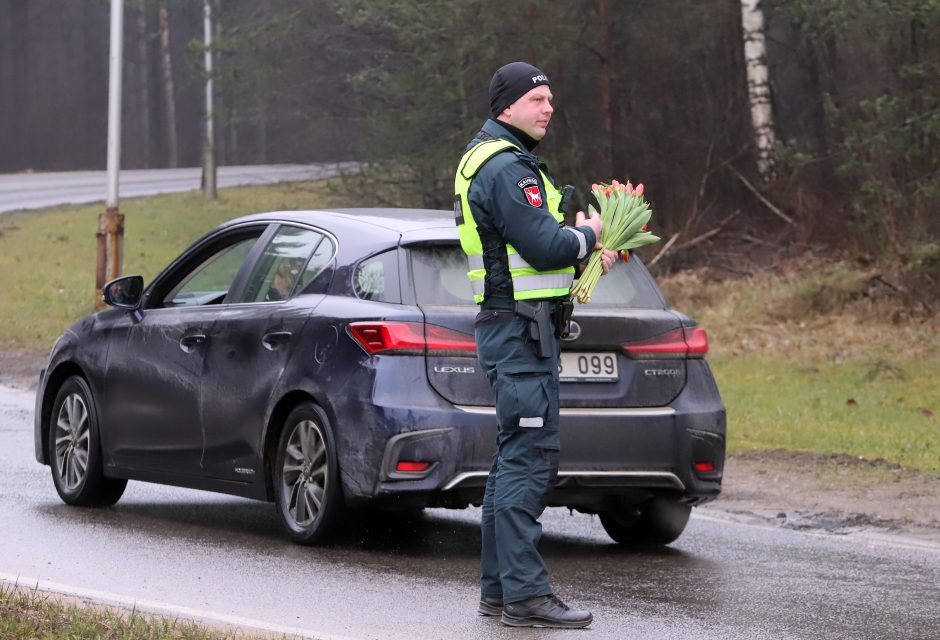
<point x="522" y="261"/>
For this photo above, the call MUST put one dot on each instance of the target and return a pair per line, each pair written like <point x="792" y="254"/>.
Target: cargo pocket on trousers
<point x="522" y="400"/>
<point x="541" y="481"/>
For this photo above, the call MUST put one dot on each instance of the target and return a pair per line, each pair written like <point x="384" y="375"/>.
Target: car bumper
<point x="607" y="456"/>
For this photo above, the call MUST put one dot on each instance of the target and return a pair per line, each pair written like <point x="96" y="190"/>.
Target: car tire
<point x="658" y="521"/>
<point x="306" y="477"/>
<point x="75" y="449"/>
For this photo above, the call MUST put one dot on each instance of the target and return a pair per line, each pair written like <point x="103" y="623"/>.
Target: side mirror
<point x="124" y="293"/>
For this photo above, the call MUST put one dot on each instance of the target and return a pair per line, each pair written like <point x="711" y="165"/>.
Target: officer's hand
<point x="608" y="258"/>
<point x="594" y="222"/>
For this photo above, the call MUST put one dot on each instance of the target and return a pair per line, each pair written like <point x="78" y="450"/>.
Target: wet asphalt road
<point x="177" y="550"/>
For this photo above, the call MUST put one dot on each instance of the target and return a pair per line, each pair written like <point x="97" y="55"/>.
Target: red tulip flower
<point x="623" y="218"/>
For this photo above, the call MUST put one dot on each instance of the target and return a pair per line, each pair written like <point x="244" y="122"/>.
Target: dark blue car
<point x="324" y="360"/>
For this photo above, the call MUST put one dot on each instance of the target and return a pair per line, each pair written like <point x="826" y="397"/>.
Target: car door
<point x="253" y="341"/>
<point x="156" y="363"/>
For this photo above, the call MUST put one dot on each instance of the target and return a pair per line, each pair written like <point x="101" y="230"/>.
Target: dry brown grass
<point x="813" y="311"/>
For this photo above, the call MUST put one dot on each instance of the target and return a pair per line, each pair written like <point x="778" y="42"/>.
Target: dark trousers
<point x="526" y="462"/>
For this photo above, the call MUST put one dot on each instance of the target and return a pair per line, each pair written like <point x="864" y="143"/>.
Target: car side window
<point x="318" y="262"/>
<point x="210" y="282"/>
<point x="376" y="278"/>
<point x="284" y="264"/>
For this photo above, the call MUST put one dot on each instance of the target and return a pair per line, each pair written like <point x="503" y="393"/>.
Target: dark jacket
<point x="504" y="215"/>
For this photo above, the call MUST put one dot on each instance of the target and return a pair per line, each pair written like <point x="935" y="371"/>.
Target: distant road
<point x="37" y="190"/>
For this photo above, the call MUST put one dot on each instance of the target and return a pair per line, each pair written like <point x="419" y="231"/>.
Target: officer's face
<point x="531" y="113"/>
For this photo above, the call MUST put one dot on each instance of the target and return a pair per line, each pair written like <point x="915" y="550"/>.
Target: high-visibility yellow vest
<point x="527" y="282"/>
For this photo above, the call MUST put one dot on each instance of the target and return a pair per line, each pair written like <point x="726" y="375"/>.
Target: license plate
<point x="588" y="367"/>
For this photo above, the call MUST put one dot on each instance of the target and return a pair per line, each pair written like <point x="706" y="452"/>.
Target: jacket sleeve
<point x="499" y="189"/>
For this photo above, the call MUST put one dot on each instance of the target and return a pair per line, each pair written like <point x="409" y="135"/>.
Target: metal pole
<point x="111" y="223"/>
<point x="209" y="164"/>
<point x="114" y="100"/>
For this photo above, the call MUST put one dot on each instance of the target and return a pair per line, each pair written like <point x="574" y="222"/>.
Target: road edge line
<point x="155" y="607"/>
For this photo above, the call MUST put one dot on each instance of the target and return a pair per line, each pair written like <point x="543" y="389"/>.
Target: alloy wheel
<point x="72" y="436"/>
<point x="305" y="476"/>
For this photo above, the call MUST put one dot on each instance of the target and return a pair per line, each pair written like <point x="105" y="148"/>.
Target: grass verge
<point x="865" y="407"/>
<point x="48" y="257"/>
<point x="813" y="359"/>
<point x="25" y="615"/>
<point x="817" y="357"/>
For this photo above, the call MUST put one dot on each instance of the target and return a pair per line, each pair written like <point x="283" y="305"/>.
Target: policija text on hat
<point x="522" y="261"/>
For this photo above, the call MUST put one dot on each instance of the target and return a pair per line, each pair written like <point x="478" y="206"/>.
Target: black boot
<point x="491" y="605"/>
<point x="544" y="611"/>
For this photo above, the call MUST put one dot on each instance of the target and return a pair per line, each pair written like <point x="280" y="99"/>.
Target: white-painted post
<point x="114" y="100"/>
<point x="111" y="222"/>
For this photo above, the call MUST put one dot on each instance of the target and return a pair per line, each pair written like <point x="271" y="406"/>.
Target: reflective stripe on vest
<point x="539" y="285"/>
<point x="515" y="262"/>
<point x="527" y="282"/>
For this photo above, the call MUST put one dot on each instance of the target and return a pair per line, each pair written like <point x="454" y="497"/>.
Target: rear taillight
<point x="404" y="338"/>
<point x="412" y="466"/>
<point x="697" y="340"/>
<point x="687" y="342"/>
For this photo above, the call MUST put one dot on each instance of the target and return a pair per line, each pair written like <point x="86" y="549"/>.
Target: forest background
<point x="649" y="91"/>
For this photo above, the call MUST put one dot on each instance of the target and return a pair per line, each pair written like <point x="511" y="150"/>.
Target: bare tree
<point x="607" y="84"/>
<point x="222" y="113"/>
<point x="168" y="92"/>
<point x="758" y="82"/>
<point x="143" y="81"/>
<point x="208" y="166"/>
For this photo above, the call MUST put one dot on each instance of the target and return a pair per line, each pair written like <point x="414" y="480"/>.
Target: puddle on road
<point x="17" y="404"/>
<point x="831" y="521"/>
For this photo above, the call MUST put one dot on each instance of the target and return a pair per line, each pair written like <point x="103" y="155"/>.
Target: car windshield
<point x="440" y="278"/>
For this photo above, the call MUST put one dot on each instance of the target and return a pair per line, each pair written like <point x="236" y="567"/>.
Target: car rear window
<point x="440" y="278"/>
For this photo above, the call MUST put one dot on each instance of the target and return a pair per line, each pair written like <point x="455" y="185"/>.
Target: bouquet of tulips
<point x="625" y="215"/>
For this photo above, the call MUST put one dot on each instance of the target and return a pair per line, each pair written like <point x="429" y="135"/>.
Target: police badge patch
<point x="534" y="196"/>
<point x="530" y="187"/>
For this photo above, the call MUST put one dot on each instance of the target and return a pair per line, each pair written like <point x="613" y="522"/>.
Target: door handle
<point x="190" y="342"/>
<point x="272" y="341"/>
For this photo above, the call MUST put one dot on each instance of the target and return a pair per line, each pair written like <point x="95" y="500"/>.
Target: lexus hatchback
<point x="325" y="360"/>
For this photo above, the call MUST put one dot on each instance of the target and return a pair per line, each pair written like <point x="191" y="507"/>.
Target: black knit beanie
<point x="511" y="82"/>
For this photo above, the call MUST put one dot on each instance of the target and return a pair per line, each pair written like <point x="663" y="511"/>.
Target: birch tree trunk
<point x="758" y="86"/>
<point x="168" y="92"/>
